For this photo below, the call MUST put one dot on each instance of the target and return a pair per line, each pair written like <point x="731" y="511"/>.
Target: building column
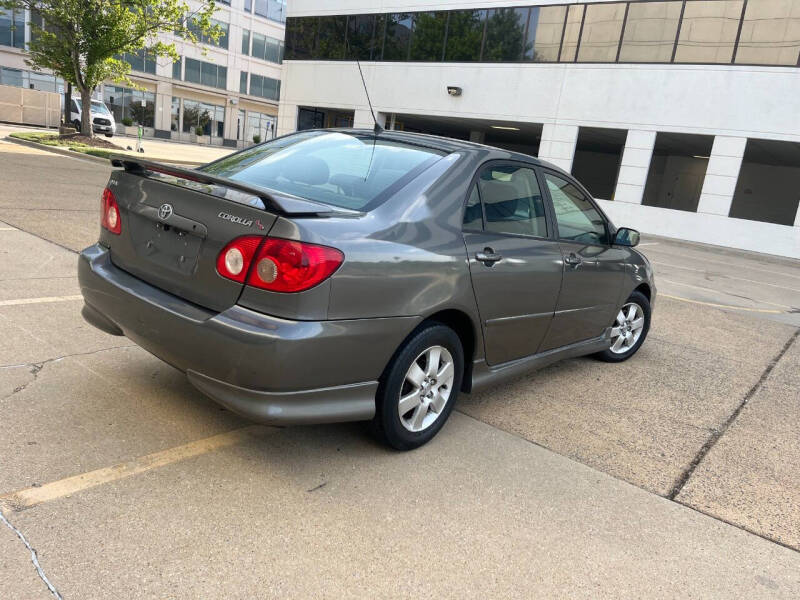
<point x="721" y="175"/>
<point x="634" y="166"/>
<point x="477" y="136"/>
<point x="287" y="118"/>
<point x="362" y="119"/>
<point x="558" y="144"/>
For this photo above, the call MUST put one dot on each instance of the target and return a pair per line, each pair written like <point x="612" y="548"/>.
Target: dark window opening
<point x="677" y="171"/>
<point x="768" y="188"/>
<point x="598" y="154"/>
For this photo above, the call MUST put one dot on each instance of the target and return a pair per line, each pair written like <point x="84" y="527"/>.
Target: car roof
<point x="445" y="144"/>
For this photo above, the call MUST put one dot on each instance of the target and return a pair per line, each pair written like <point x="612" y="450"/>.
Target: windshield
<point x="348" y="170"/>
<point x="99" y="107"/>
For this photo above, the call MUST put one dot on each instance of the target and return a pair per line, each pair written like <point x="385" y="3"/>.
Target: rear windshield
<point x="348" y="170"/>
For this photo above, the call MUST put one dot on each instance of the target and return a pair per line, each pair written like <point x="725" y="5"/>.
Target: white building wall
<point x="730" y="102"/>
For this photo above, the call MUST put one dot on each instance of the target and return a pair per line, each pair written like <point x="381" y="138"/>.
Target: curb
<point x="81" y="155"/>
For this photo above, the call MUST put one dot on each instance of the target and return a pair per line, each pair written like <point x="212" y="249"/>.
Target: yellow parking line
<point x="19" y="301"/>
<point x="8" y="229"/>
<point x="28" y="497"/>
<point x="731" y="306"/>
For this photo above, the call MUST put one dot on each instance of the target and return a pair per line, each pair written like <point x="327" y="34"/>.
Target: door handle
<point x="488" y="257"/>
<point x="572" y="259"/>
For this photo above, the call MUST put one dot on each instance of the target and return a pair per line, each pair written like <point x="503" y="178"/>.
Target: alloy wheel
<point x="426" y="388"/>
<point x="627" y="328"/>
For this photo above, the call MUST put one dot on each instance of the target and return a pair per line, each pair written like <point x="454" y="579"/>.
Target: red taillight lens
<point x="278" y="265"/>
<point x="234" y="260"/>
<point x="289" y="266"/>
<point x="110" y="218"/>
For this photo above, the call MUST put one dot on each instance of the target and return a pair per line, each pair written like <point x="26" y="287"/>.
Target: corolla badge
<point x="165" y="212"/>
<point x="240" y="220"/>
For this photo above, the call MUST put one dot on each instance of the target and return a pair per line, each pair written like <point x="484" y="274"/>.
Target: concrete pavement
<point x="527" y="491"/>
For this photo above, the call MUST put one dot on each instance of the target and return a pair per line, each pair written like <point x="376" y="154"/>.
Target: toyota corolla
<point x="345" y="275"/>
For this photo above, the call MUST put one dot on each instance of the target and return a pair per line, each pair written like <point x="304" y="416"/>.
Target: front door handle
<point x="488" y="257"/>
<point x="572" y="259"/>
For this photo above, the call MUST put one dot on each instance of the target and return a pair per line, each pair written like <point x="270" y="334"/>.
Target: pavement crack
<point x="718" y="432"/>
<point x="34" y="556"/>
<point x="36" y="368"/>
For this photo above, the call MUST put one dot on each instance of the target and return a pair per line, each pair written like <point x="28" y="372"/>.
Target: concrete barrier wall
<point x="29" y="107"/>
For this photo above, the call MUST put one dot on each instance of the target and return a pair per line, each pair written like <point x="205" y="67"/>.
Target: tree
<point x="84" y="41"/>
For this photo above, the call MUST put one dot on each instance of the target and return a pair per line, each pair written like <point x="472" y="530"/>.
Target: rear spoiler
<point x="222" y="187"/>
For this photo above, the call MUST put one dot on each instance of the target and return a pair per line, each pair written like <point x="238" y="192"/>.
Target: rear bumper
<point x="268" y="369"/>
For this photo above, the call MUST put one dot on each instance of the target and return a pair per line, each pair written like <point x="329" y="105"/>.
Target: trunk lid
<point x="173" y="229"/>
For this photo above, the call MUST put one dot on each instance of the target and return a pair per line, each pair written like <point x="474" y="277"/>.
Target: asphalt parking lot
<point x="673" y="474"/>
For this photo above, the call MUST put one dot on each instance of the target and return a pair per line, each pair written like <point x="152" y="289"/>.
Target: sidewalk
<point x="159" y="150"/>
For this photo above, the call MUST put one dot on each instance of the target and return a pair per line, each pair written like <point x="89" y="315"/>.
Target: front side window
<point x="578" y="220"/>
<point x="473" y="215"/>
<point x="340" y="169"/>
<point x="512" y="201"/>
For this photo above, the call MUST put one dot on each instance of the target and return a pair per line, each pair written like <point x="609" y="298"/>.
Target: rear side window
<point x="578" y="220"/>
<point x="341" y="169"/>
<point x="512" y="201"/>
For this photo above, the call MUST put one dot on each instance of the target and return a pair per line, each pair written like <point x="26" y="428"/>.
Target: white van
<point x="102" y="119"/>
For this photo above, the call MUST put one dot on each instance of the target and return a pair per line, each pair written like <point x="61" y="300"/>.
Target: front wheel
<point x="419" y="388"/>
<point x="629" y="329"/>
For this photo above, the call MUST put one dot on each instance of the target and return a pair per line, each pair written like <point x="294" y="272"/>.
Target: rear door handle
<point x="572" y="259"/>
<point x="488" y="257"/>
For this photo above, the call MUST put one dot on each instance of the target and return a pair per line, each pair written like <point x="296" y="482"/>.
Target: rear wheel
<point x="77" y="125"/>
<point x="629" y="329"/>
<point x="418" y="390"/>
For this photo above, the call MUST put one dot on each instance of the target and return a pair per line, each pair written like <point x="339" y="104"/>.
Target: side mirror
<point x="626" y="236"/>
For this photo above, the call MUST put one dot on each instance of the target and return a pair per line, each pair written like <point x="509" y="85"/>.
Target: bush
<point x="127" y="121"/>
<point x="198" y="131"/>
<point x="256" y="138"/>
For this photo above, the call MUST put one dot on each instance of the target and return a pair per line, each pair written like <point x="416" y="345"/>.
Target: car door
<point x="515" y="263"/>
<point x="593" y="269"/>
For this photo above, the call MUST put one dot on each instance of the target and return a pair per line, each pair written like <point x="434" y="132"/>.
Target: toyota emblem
<point x="165" y="212"/>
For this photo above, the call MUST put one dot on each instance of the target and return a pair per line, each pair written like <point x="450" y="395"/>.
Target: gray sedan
<point x="344" y="275"/>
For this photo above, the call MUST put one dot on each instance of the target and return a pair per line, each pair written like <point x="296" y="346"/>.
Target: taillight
<point x="110" y="218"/>
<point x="234" y="260"/>
<point x="276" y="264"/>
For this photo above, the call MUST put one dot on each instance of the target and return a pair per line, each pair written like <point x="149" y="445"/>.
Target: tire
<point x="434" y="387"/>
<point x="636" y="307"/>
<point x="109" y="135"/>
<point x="77" y="126"/>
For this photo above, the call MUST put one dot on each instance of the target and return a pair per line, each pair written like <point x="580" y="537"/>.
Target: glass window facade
<point x="465" y="35"/>
<point x="31" y="80"/>
<point x="200" y="114"/>
<point x="271" y="9"/>
<point x="261" y="125"/>
<point x="650" y="31"/>
<point x="660" y="31"/>
<point x="205" y="73"/>
<point x="543" y="38"/>
<point x="708" y="31"/>
<point x="427" y="36"/>
<point x="265" y="87"/>
<point x="770" y="33"/>
<point x="505" y="34"/>
<point x="12" y="28"/>
<point x="245" y="42"/>
<point x="140" y="61"/>
<point x="137" y="105"/>
<point x="177" y="69"/>
<point x="267" y="48"/>
<point x="602" y="26"/>
<point x="243" y="82"/>
<point x="222" y="41"/>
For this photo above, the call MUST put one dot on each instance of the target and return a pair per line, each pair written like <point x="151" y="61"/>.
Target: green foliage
<point x="199" y="131"/>
<point x="127" y="121"/>
<point x="256" y="138"/>
<point x="504" y="36"/>
<point x="464" y="35"/>
<point x="82" y="40"/>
